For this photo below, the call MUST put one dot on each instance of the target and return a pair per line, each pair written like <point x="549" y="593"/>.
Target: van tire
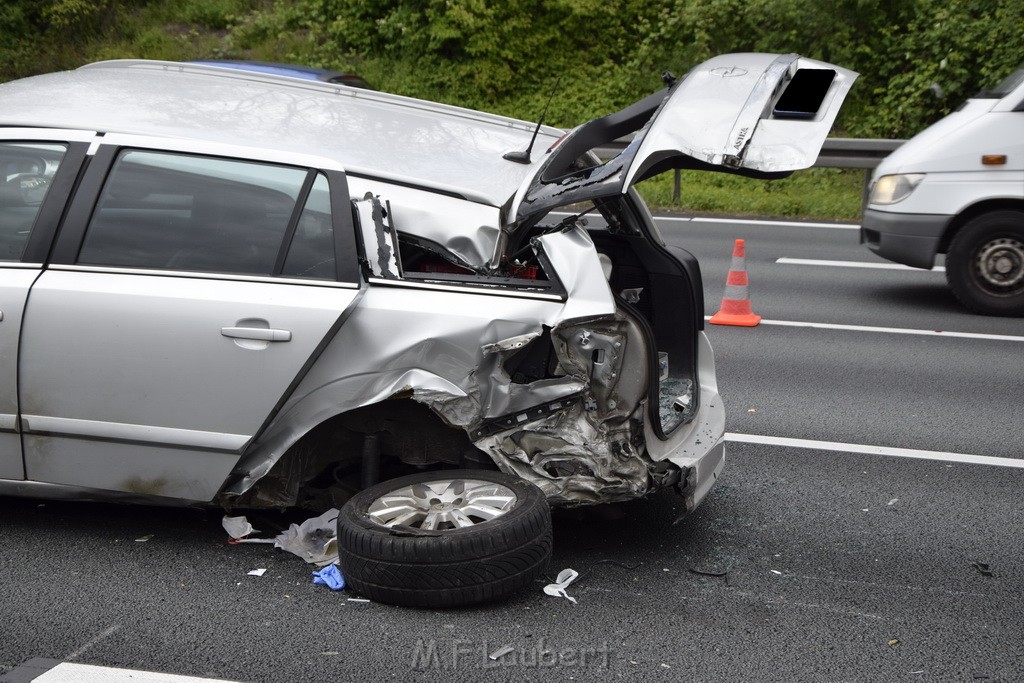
<point x="985" y="263"/>
<point x="410" y="566"/>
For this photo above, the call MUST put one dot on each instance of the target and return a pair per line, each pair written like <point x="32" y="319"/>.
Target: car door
<point x="188" y="293"/>
<point x="37" y="168"/>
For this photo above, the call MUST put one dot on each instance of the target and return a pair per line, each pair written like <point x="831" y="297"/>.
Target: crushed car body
<point x="252" y="291"/>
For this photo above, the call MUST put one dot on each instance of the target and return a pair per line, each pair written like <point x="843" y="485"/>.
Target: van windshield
<point x="1007" y="86"/>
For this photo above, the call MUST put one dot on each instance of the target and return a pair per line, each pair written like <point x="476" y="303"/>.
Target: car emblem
<point x="728" y="71"/>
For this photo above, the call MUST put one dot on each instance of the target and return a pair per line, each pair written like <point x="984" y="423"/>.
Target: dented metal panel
<point x="590" y="450"/>
<point x="380" y="242"/>
<point x="727" y="114"/>
<point x="463" y="232"/>
<point x="722" y="113"/>
<point x="577" y="435"/>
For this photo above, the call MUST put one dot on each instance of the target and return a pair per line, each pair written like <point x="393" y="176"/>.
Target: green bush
<point x="918" y="58"/>
<point x="824" y="193"/>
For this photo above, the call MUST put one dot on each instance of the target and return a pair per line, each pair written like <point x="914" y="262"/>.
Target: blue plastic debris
<point x="330" y="576"/>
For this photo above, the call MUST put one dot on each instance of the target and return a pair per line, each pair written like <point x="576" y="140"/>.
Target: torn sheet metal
<point x="591" y="448"/>
<point x="467" y="231"/>
<point x="379" y="237"/>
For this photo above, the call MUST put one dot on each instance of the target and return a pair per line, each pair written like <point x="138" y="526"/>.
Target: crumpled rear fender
<point x="333" y="399"/>
<point x="578" y="434"/>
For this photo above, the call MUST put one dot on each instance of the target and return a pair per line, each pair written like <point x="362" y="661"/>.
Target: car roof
<point x="294" y="70"/>
<point x="408" y="141"/>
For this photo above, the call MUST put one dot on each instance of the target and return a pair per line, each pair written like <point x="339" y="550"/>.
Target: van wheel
<point x="444" y="538"/>
<point x="985" y="264"/>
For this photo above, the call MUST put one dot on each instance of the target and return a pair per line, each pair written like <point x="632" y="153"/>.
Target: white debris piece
<point x="315" y="540"/>
<point x="562" y="581"/>
<point x="501" y="652"/>
<point x="238" y="529"/>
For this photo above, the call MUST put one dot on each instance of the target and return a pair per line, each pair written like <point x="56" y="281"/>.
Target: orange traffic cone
<point x="736" y="302"/>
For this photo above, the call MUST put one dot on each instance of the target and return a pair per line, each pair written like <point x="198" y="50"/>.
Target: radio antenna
<point x="523" y="157"/>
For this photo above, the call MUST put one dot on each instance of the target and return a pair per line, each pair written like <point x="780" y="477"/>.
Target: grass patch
<point x="832" y="193"/>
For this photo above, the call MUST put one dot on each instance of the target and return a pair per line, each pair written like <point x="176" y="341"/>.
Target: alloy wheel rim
<point x="443" y="504"/>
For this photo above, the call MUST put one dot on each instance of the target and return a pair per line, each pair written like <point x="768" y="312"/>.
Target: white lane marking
<point x="913" y="453"/>
<point x="106" y="633"/>
<point x="87" y="673"/>
<point x="743" y="221"/>
<point x="890" y="330"/>
<point x="853" y="264"/>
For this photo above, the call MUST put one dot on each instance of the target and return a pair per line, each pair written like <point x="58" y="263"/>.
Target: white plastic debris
<point x="501" y="652"/>
<point x="258" y="572"/>
<point x="143" y="539"/>
<point x="315" y="540"/>
<point x="562" y="581"/>
<point x="238" y="529"/>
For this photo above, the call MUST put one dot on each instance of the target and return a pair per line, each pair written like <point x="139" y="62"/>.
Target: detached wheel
<point x="445" y="538"/>
<point x="985" y="264"/>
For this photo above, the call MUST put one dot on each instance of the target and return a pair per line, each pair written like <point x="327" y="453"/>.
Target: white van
<point x="957" y="188"/>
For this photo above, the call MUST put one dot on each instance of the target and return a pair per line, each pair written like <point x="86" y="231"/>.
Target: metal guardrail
<point x="855" y="152"/>
<point x="865" y="153"/>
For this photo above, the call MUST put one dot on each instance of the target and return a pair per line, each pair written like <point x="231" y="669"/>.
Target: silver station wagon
<point x="244" y="290"/>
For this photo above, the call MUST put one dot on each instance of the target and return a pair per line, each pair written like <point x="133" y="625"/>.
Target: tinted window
<point x="311" y="254"/>
<point x="176" y="212"/>
<point x="26" y="170"/>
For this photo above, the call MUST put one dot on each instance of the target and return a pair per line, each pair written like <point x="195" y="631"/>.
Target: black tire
<point x="985" y="263"/>
<point x="446" y="567"/>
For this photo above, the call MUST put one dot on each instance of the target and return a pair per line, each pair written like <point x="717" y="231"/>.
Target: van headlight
<point x="894" y="188"/>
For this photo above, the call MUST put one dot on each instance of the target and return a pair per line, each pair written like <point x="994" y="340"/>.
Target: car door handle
<point x="257" y="333"/>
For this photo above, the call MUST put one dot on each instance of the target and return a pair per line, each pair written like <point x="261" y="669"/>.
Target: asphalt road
<point x="803" y="564"/>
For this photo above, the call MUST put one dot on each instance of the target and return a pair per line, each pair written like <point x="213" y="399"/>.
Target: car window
<point x="162" y="210"/>
<point x="26" y="170"/>
<point x="311" y="253"/>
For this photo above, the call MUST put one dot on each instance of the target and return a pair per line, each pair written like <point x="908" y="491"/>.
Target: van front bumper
<point x="908" y="238"/>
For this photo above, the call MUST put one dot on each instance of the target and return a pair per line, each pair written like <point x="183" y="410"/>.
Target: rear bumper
<point x="704" y="476"/>
<point x="908" y="238"/>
